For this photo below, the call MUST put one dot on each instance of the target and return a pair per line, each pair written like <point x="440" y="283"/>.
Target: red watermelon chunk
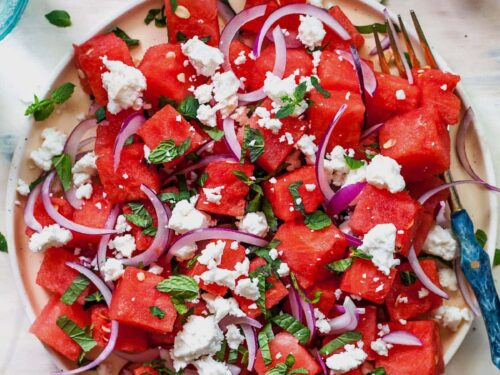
<point x="61" y="205"/>
<point x="363" y="279"/>
<point x="167" y="124"/>
<point x="88" y="61"/>
<point x="281" y="199"/>
<point x="245" y="66"/>
<point x="54" y="275"/>
<point x="333" y="41"/>
<point x="163" y="65"/>
<point x="348" y="129"/>
<point x="401" y="359"/>
<point x="285" y="344"/>
<point x="410" y="301"/>
<point x="47" y="331"/>
<point x="327" y="299"/>
<point x="145" y="370"/>
<point x="200" y="20"/>
<point x="233" y="194"/>
<point x="308" y="251"/>
<point x="385" y="103"/>
<point x="336" y="73"/>
<point x="418" y="141"/>
<point x="255" y="25"/>
<point x="135" y="294"/>
<point x="379" y="206"/>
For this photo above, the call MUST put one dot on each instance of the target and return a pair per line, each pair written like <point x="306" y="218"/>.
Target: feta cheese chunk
<point x="448" y="279"/>
<point x="283" y="270"/>
<point x="84" y="191"/>
<point x="385" y="173"/>
<point x="311" y="32"/>
<point x="451" y="316"/>
<point x="380" y="242"/>
<point x="186" y="217"/>
<point x="124" y="85"/>
<point x="50" y="236"/>
<point x="277" y="88"/>
<point x="322" y="323"/>
<point x="211" y="255"/>
<point x="254" y="223"/>
<point x="203" y="93"/>
<point x="112" y="269"/>
<point x="53" y="144"/>
<point x="207" y="115"/>
<point x="234" y="337"/>
<point x="84" y="169"/>
<point x="200" y="336"/>
<point x="204" y="58"/>
<point x="22" y="187"/>
<point x="124" y="245"/>
<point x="214" y="195"/>
<point x="122" y="225"/>
<point x="265" y="121"/>
<point x="380" y="347"/>
<point x="209" y="366"/>
<point x="225" y="277"/>
<point x="440" y="242"/>
<point x="186" y="252"/>
<point x="347" y="360"/>
<point x="248" y="288"/>
<point x="226" y="86"/>
<point x="222" y="307"/>
<point x="307" y="146"/>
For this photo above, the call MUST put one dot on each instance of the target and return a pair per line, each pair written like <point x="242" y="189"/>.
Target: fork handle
<point x="476" y="266"/>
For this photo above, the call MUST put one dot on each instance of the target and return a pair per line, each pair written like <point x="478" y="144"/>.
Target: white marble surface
<point x="464" y="31"/>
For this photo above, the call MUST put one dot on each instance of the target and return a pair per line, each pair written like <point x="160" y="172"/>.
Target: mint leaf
<point x="253" y="142"/>
<point x="78" y="335"/>
<point x="94" y="297"/>
<point x="300" y="92"/>
<point x="188" y="108"/>
<point x="378" y="371"/>
<point x="285" y="111"/>
<point x="297" y="200"/>
<point x="292" y="326"/>
<point x="271" y="219"/>
<point x="123" y="36"/>
<point x="352" y="163"/>
<point x="152" y="14"/>
<point x="79" y="284"/>
<point x="62" y="93"/>
<point x="340" y="341"/>
<point x="341" y="265"/>
<point x="295" y="284"/>
<point x="156" y="311"/>
<point x="62" y="164"/>
<point x="42" y="109"/>
<point x="215" y="133"/>
<point x="357" y="253"/>
<point x="167" y="151"/>
<point x="59" y="18"/>
<point x="180" y="287"/>
<point x="318" y="220"/>
<point x="247" y="181"/>
<point x="173" y="5"/>
<point x="263" y="339"/>
<point x="408" y="277"/>
<point x="180" y="37"/>
<point x="157" y="15"/>
<point x="368" y="29"/>
<point x="100" y="114"/>
<point x="496" y="260"/>
<point x="317" y="86"/>
<point x="481" y="237"/>
<point x="200" y="181"/>
<point x="139" y="216"/>
<point x="3" y="244"/>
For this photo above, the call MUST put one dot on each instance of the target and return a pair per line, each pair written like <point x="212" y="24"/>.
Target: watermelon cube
<point x="241" y="63"/>
<point x="401" y="358"/>
<point x="379" y="206"/>
<point x="333" y="41"/>
<point x="285" y="344"/>
<point x="281" y="199"/>
<point x="327" y="290"/>
<point x="88" y="61"/>
<point x="233" y="192"/>
<point x="336" y="73"/>
<point x="363" y="279"/>
<point x="135" y="294"/>
<point x="47" y="331"/>
<point x="308" y="251"/>
<point x="418" y="141"/>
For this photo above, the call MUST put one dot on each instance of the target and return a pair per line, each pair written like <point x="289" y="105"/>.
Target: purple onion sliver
<point x="353" y="241"/>
<point x="251" y="339"/>
<point x="320" y="360"/>
<point x="145" y="356"/>
<point x="224" y="11"/>
<point x="402" y="338"/>
<point x="467" y="295"/>
<point x="239" y="320"/>
<point x="230" y="137"/>
<point x="74" y="139"/>
<point x="344" y="197"/>
<point x="429" y="194"/>
<point x="366" y="77"/>
<point x="29" y="210"/>
<point x="129" y="127"/>
<point x="385" y="43"/>
<point x="409" y="75"/>
<point x="371" y="130"/>
<point x="422" y="276"/>
<point x="294" y="300"/>
<point x="290" y="39"/>
<point x="103" y="242"/>
<point x="308" y="310"/>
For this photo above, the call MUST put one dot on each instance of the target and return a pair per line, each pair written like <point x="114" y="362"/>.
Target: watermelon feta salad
<point x="251" y="199"/>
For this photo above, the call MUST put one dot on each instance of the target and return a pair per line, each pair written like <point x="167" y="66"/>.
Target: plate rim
<point x="13" y="174"/>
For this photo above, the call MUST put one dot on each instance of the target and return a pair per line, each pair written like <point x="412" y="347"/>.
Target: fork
<point x="474" y="261"/>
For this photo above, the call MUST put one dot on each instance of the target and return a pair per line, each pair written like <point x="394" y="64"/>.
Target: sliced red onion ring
<point x="291" y="40"/>
<point x="463" y="286"/>
<point x="348" y="321"/>
<point x="239" y="320"/>
<point x="214" y="234"/>
<point x="308" y="310"/>
<point x="464" y="126"/>
<point x="29" y="210"/>
<point x="129" y="127"/>
<point x="422" y="276"/>
<point x="278" y="69"/>
<point x="409" y="75"/>
<point x="230" y="137"/>
<point x="103" y="242"/>
<point x="207" y="146"/>
<point x="369" y="81"/>
<point x="344" y="197"/>
<point x="341" y="309"/>
<point x="353" y="241"/>
<point x="145" y="356"/>
<point x="427" y="195"/>
<point x="324" y="185"/>
<point x="402" y="338"/>
<point x="385" y="43"/>
<point x="232" y="28"/>
<point x="60" y="219"/>
<point x="306" y="9"/>
<point x="294" y="300"/>
<point x="163" y="234"/>
<point x="371" y="130"/>
<point x="87" y="141"/>
<point x="251" y="340"/>
<point x="108" y="349"/>
<point x="320" y="361"/>
<point x="225" y="12"/>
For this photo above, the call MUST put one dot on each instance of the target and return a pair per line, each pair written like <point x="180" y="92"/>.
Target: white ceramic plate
<point x="481" y="205"/>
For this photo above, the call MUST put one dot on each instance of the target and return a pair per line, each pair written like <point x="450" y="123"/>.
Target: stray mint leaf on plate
<point x="59" y="18"/>
<point x="3" y="243"/>
<point x="42" y="109"/>
<point x="124" y="36"/>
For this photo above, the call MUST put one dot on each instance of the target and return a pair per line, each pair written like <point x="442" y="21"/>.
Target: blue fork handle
<point x="476" y="267"/>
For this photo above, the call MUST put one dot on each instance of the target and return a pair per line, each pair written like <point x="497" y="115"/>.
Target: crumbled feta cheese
<point x="384" y="173"/>
<point x="380" y="242"/>
<point x="383" y="329"/>
<point x="277" y="89"/>
<point x="50" y="236"/>
<point x="380" y="347"/>
<point x="124" y="85"/>
<point x="234" y="245"/>
<point x="84" y="169"/>
<point x="400" y="95"/>
<point x="448" y="279"/>
<point x="220" y="276"/>
<point x="248" y="288"/>
<point x="200" y="336"/>
<point x="273" y="254"/>
<point x="204" y="58"/>
<point x="444" y="87"/>
<point x="124" y="245"/>
<point x="347" y="360"/>
<point x="273" y="180"/>
<point x="265" y="121"/>
<point x="185" y="252"/>
<point x="440" y="242"/>
<point x="451" y="316"/>
<point x="402" y="299"/>
<point x="226" y="86"/>
<point x="345" y="228"/>
<point x="234" y="337"/>
<point x="22" y="187"/>
<point x="422" y="293"/>
<point x="211" y="255"/>
<point x="222" y="307"/>
<point x="254" y="223"/>
<point x="311" y="31"/>
<point x="338" y="293"/>
<point x="147" y="152"/>
<point x="112" y="269"/>
<point x="307" y="146"/>
<point x="283" y="270"/>
<point x="310" y="187"/>
<point x="155" y="269"/>
<point x="203" y="93"/>
<point x="322" y="323"/>
<point x="337" y="170"/>
<point x="214" y="195"/>
<point x="316" y="60"/>
<point x="122" y="225"/>
<point x="53" y="144"/>
<point x="84" y="191"/>
<point x="207" y="115"/>
<point x="240" y="59"/>
<point x="186" y="217"/>
<point x="209" y="366"/>
<point x="287" y="137"/>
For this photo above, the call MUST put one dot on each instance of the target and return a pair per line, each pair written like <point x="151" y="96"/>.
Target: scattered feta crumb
<point x="124" y="245"/>
<point x="347" y="360"/>
<point x="380" y="242"/>
<point x="204" y="58"/>
<point x="214" y="195"/>
<point x="283" y="270"/>
<point x="248" y="288"/>
<point x="52" y="145"/>
<point x="122" y="225"/>
<point x="273" y="254"/>
<point x="265" y="121"/>
<point x="240" y="59"/>
<point x="112" y="269"/>
<point x="451" y="317"/>
<point x="380" y="347"/>
<point x="440" y="242"/>
<point x="311" y="31"/>
<point x="400" y="95"/>
<point x="307" y="146"/>
<point x="234" y="337"/>
<point x="22" y="187"/>
<point x="211" y="255"/>
<point x="155" y="269"/>
<point x="50" y="236"/>
<point x="254" y="223"/>
<point x="84" y="169"/>
<point x="222" y="307"/>
<point x="448" y="279"/>
<point x="310" y="187"/>
<point x="226" y="86"/>
<point x="203" y="93"/>
<point x="84" y="191"/>
<point x="385" y="173"/>
<point x="186" y="217"/>
<point x="322" y="323"/>
<point x="422" y="293"/>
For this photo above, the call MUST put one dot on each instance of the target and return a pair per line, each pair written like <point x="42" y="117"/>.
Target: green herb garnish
<point x="340" y="341"/>
<point x="352" y="163"/>
<point x="59" y="18"/>
<point x="292" y="102"/>
<point x="167" y="151"/>
<point x="78" y="335"/>
<point x="253" y="142"/>
<point x="318" y="220"/>
<point x="317" y="86"/>
<point x="79" y="284"/>
<point x="293" y="326"/>
<point x="156" y="311"/>
<point x="123" y="36"/>
<point x="62" y="164"/>
<point x="42" y="109"/>
<point x="297" y="200"/>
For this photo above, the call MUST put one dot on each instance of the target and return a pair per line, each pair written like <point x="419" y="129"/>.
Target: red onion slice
<point x="348" y="321"/>
<point x="230" y="137"/>
<point x="129" y="127"/>
<point x="251" y="339"/>
<point x="427" y="195"/>
<point x="353" y="241"/>
<point x="344" y="197"/>
<point x="402" y="338"/>
<point x="29" y="210"/>
<point x="237" y="320"/>
<point x="320" y="360"/>
<point x="422" y="276"/>
<point x="368" y="76"/>
<point x="163" y="234"/>
<point x="291" y="40"/>
<point x="308" y="310"/>
<point x="214" y="234"/>
<point x="145" y="356"/>
<point x="294" y="300"/>
<point x="371" y="130"/>
<point x="225" y="12"/>
<point x="463" y="286"/>
<point x="461" y="151"/>
<point x="60" y="219"/>
<point x="103" y="242"/>
<point x="385" y="43"/>
<point x="409" y="75"/>
<point x="324" y="185"/>
<point x="207" y="146"/>
<point x="306" y="9"/>
<point x="108" y="349"/>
